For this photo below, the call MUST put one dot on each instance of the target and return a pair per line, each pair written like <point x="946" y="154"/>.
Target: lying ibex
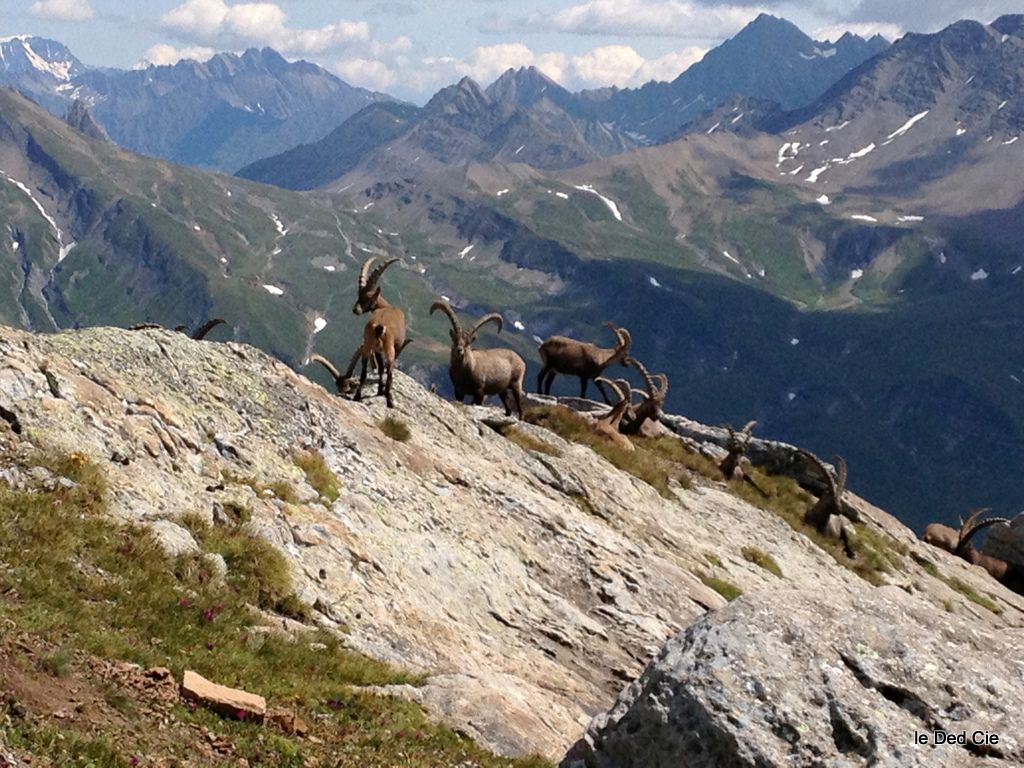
<point x="383" y="334"/>
<point x="607" y="427"/>
<point x="958" y="542"/>
<point x="198" y="335"/>
<point x="732" y="463"/>
<point x="560" y="354"/>
<point x="482" y="372"/>
<point x="652" y="406"/>
<point x="827" y="513"/>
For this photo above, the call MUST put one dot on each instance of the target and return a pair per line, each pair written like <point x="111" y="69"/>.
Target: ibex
<point x="198" y="335"/>
<point x="342" y="383"/>
<point x="607" y="427"/>
<point x="482" y="372"/>
<point x="651" y="407"/>
<point x="383" y="334"/>
<point x="958" y="543"/>
<point x="560" y="354"/>
<point x="732" y="463"/>
<point x="827" y="513"/>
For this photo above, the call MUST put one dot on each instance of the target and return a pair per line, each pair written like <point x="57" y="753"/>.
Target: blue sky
<point x="410" y="48"/>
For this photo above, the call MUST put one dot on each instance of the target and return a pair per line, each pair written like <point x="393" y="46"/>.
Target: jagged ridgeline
<point x="195" y="505"/>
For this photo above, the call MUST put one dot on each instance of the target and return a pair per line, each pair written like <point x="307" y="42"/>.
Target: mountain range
<point x="846" y="271"/>
<point x="236" y="110"/>
<point x="522" y="117"/>
<point x="222" y="113"/>
<point x="770" y="59"/>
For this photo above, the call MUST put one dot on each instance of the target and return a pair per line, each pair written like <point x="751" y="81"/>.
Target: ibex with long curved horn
<point x="383" y="335"/>
<point x="341" y="383"/>
<point x="827" y="513"/>
<point x="736" y="451"/>
<point x="958" y="542"/>
<point x="607" y="427"/>
<point x="560" y="354"/>
<point x="482" y="372"/>
<point x="651" y="407"/>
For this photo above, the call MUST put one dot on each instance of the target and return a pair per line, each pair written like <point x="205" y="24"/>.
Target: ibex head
<point x="624" y="341"/>
<point x="656" y="385"/>
<point x="740" y="441"/>
<point x="461" y="340"/>
<point x="369" y="291"/>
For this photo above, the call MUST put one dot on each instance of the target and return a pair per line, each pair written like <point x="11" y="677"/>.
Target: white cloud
<point x="163" y="54"/>
<point x="368" y="73"/>
<point x="608" y="65"/>
<point x="62" y="10"/>
<point x="865" y="29"/>
<point x="619" y="65"/>
<point x="669" y="66"/>
<point x="240" y="24"/>
<point x="622" y="65"/>
<point x="663" y="18"/>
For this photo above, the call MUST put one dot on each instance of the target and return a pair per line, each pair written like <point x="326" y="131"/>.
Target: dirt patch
<point x="82" y="698"/>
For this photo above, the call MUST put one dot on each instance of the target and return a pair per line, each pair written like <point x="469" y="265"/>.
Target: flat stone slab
<point x="228" y="702"/>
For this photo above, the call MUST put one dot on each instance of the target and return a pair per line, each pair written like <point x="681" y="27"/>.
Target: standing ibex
<point x="560" y="354"/>
<point x="958" y="543"/>
<point x="383" y="335"/>
<point x="827" y="513"/>
<point x="736" y="451"/>
<point x="607" y="427"/>
<point x="482" y="372"/>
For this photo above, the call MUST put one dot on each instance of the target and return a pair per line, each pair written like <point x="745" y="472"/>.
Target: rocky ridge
<point x="528" y="586"/>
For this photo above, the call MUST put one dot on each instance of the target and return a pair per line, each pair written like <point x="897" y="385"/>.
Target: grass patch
<point x="396" y="429"/>
<point x="318" y="474"/>
<point x="956" y="585"/>
<point x="726" y="589"/>
<point x="257" y="572"/>
<point x="654" y="460"/>
<point x="528" y="442"/>
<point x="973" y="595"/>
<point x="66" y="747"/>
<point x="926" y="565"/>
<point x="713" y="559"/>
<point x="279" y="488"/>
<point x="762" y="559"/>
<point x="877" y="553"/>
<point x="81" y="583"/>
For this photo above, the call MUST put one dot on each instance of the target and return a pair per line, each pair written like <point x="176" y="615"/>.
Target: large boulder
<point x="799" y="678"/>
<point x="1007" y="541"/>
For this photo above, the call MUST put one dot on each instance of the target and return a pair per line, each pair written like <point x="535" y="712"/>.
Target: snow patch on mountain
<point x="907" y="125"/>
<point x="608" y="202"/>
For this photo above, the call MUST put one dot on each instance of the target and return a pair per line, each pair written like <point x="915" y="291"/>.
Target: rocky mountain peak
<point x="1011" y="24"/>
<point x="39" y="56"/>
<point x="463" y="98"/>
<point x="80" y="118"/>
<point x="523" y="87"/>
